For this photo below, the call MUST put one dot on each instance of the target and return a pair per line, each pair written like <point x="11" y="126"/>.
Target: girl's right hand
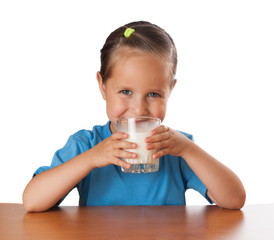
<point x="111" y="149"/>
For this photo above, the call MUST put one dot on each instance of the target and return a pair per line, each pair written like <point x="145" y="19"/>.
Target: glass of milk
<point x="138" y="129"/>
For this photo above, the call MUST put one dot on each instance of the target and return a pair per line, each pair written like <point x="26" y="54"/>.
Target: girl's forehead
<point x="140" y="73"/>
<point x="125" y="53"/>
<point x="132" y="56"/>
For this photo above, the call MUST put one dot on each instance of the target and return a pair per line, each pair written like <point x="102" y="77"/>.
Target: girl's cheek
<point x="159" y="110"/>
<point x="116" y="107"/>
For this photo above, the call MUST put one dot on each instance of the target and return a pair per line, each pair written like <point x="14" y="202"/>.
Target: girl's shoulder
<point x="92" y="137"/>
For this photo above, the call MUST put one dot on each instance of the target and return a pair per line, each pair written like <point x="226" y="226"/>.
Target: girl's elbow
<point x="241" y="200"/>
<point x="30" y="205"/>
<point x="238" y="201"/>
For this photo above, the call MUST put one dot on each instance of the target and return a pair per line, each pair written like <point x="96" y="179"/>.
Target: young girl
<point x="138" y="66"/>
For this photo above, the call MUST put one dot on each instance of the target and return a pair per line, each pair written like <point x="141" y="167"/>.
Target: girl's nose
<point x="139" y="107"/>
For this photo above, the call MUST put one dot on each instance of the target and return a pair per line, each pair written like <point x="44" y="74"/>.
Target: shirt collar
<point x="106" y="130"/>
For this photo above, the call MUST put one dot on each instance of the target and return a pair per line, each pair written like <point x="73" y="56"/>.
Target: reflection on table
<point x="137" y="222"/>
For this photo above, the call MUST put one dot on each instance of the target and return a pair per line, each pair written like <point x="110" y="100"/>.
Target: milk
<point x="144" y="156"/>
<point x="138" y="129"/>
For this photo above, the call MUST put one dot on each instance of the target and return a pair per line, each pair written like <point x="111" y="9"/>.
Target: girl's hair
<point x="147" y="37"/>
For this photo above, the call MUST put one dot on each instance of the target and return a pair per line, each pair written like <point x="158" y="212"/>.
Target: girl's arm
<point x="224" y="187"/>
<point x="48" y="187"/>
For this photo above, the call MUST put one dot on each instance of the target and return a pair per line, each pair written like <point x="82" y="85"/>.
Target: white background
<point x="49" y="55"/>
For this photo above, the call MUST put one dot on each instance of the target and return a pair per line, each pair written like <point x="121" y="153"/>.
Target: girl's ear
<point x="101" y="85"/>
<point x="173" y="84"/>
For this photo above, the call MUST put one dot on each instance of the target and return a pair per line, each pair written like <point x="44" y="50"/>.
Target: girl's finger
<point x="121" y="144"/>
<point x="120" y="163"/>
<point x="160" y="153"/>
<point x="160" y="129"/>
<point x="119" y="135"/>
<point x="158" y="137"/>
<point x="125" y="154"/>
<point x="157" y="145"/>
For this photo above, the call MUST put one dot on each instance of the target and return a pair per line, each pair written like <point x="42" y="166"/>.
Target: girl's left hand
<point x="167" y="141"/>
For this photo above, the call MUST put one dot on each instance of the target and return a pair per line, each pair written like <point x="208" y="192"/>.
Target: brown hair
<point x="147" y="37"/>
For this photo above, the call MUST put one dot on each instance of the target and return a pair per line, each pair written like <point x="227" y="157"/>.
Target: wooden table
<point x="138" y="222"/>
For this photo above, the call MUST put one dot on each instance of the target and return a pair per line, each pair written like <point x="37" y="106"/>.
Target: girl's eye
<point x="153" y="94"/>
<point x="125" y="92"/>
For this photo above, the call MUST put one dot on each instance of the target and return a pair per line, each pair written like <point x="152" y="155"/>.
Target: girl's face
<point x="139" y="85"/>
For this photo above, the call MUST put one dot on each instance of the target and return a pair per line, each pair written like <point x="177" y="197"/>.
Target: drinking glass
<point x="138" y="129"/>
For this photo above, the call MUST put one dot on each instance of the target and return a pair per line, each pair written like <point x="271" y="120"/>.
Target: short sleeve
<point x="195" y="183"/>
<point x="191" y="179"/>
<point x="72" y="148"/>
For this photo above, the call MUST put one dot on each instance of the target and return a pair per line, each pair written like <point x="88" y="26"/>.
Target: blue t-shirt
<point x="110" y="186"/>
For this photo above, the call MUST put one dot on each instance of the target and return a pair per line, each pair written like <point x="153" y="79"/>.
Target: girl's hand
<point x="223" y="186"/>
<point x="167" y="141"/>
<point x="110" y="149"/>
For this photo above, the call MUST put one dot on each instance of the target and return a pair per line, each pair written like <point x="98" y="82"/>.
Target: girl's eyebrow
<point x="127" y="87"/>
<point x="157" y="90"/>
<point x="122" y="87"/>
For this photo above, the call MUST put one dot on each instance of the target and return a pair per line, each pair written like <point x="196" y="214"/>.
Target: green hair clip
<point x="128" y="32"/>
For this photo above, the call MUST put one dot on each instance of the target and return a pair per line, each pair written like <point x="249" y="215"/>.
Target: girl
<point x="137" y="75"/>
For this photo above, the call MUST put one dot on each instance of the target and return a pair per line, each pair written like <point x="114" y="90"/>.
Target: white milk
<point x="144" y="156"/>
